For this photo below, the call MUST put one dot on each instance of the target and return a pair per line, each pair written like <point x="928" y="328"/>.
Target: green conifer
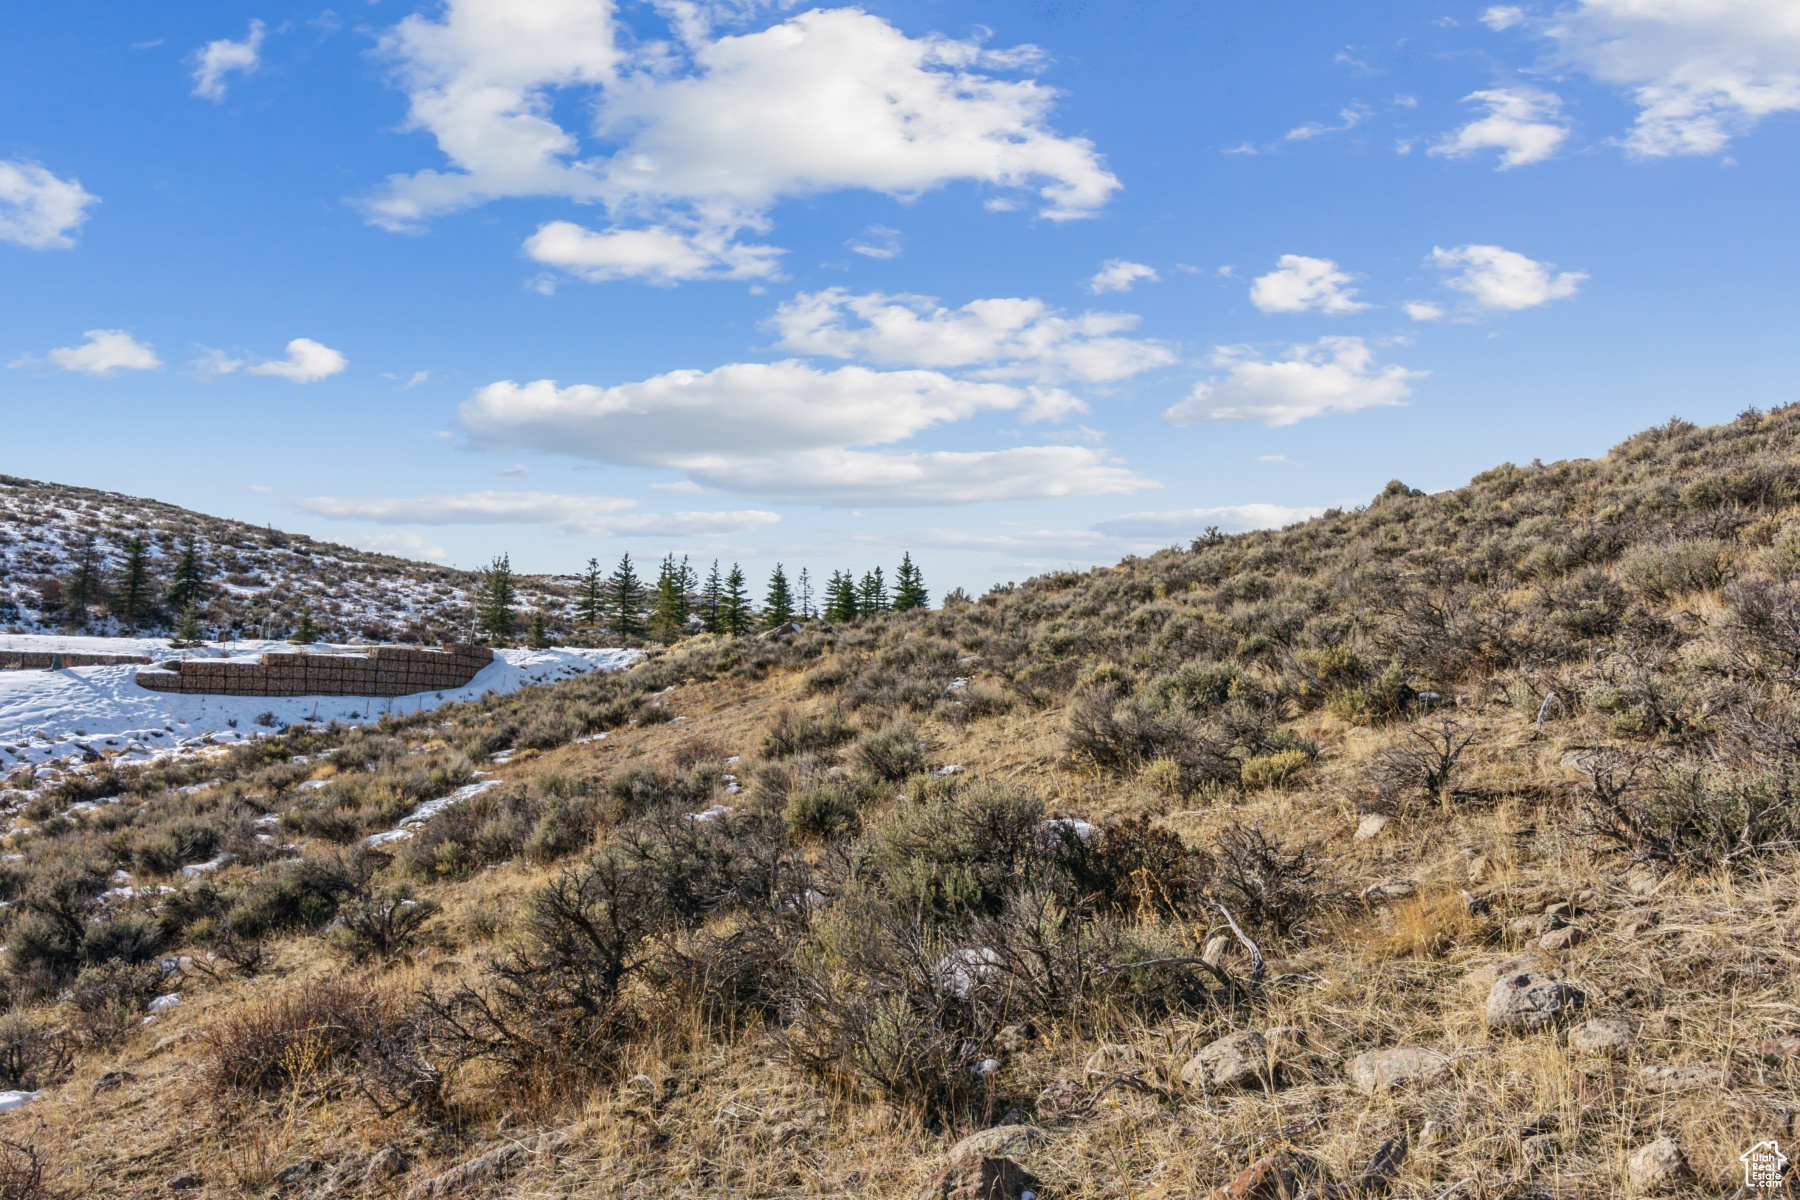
<point x="132" y="600"/>
<point x="187" y="629"/>
<point x="625" y="603"/>
<point x="712" y="601"/>
<point x="804" y="592"/>
<point x="670" y="605"/>
<point x="187" y="586"/>
<point x="590" y="606"/>
<point x="778" y="610"/>
<point x="499" y="591"/>
<point x="840" y="598"/>
<point x="734" y="606"/>
<point x="538" y="635"/>
<point x="909" y="586"/>
<point x="872" y="594"/>
<point x="85" y="583"/>
<point x="305" y="633"/>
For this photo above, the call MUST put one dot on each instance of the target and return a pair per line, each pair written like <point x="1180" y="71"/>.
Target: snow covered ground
<point x="84" y="712"/>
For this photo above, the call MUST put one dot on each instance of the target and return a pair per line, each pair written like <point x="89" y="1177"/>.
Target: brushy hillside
<point x="1443" y="848"/>
<point x="258" y="581"/>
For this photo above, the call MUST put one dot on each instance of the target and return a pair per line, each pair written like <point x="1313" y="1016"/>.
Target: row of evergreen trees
<point x="624" y="606"/>
<point x="129" y="591"/>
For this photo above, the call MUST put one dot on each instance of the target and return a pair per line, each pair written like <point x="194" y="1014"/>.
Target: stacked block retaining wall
<point x="381" y="671"/>
<point x="43" y="660"/>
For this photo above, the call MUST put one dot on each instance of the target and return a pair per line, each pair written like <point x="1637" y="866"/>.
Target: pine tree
<point x="625" y="602"/>
<point x="187" y="629"/>
<point x="85" y="584"/>
<point x="590" y="609"/>
<point x="872" y="595"/>
<point x="712" y="601"/>
<point x="494" y="614"/>
<point x="187" y="586"/>
<point x="306" y="633"/>
<point x="840" y="598"/>
<point x="538" y="637"/>
<point x="735" y="604"/>
<point x="909" y="586"/>
<point x="779" y="609"/>
<point x="670" y="605"/>
<point x="132" y="600"/>
<point x="805" y="590"/>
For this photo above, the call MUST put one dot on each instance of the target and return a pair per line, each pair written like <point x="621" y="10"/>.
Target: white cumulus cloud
<point x="1348" y="118"/>
<point x="1190" y="522"/>
<point x="1118" y="275"/>
<point x="1524" y="124"/>
<point x="1302" y="284"/>
<point x="657" y="254"/>
<point x="601" y="516"/>
<point x="1701" y="71"/>
<point x="404" y="544"/>
<point x="1423" y="310"/>
<point x="696" y="139"/>
<point x="1503" y="16"/>
<point x="106" y="352"/>
<point x="215" y="60"/>
<point x="1004" y="338"/>
<point x="1334" y="374"/>
<point x="1498" y="279"/>
<point x="39" y="210"/>
<point x="791" y="431"/>
<point x="307" y="361"/>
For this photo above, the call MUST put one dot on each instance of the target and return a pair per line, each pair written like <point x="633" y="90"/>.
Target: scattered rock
<point x="983" y="1179"/>
<point x="1656" y="1165"/>
<point x="1566" y="938"/>
<point x="1061" y="1097"/>
<point x="1540" y="1148"/>
<point x="185" y="1183"/>
<point x="1390" y="890"/>
<point x="493" y="1165"/>
<point x="1234" y="1061"/>
<point x="1378" y="1070"/>
<point x="172" y="1040"/>
<point x="1481" y="976"/>
<point x="1014" y="1038"/>
<point x="1777" y="1049"/>
<point x="1481" y="869"/>
<point x="1531" y="1000"/>
<point x="1635" y="924"/>
<point x="1607" y="1035"/>
<point x="111" y="1080"/>
<point x="1681" y="1079"/>
<point x="1115" y="1058"/>
<point x="1277" y="1176"/>
<point x="1370" y="827"/>
<point x="1643" y="880"/>
<point x="386" y="1163"/>
<point x="297" y="1172"/>
<point x="1002" y="1141"/>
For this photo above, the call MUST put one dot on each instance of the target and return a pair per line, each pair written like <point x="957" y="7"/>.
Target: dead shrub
<point x="1266" y="885"/>
<point x="1131" y="867"/>
<point x="24" y="1175"/>
<point x="32" y="1054"/>
<point x="289" y="1039"/>
<point x="792" y="734"/>
<point x="381" y="925"/>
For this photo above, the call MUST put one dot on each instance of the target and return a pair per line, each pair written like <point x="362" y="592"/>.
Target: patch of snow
<point x="12" y="1100"/>
<point x="166" y="1003"/>
<point x="40" y="711"/>
<point x="952" y="769"/>
<point x="428" y="810"/>
<point x="195" y="870"/>
<point x="714" y="813"/>
<point x="1054" y="828"/>
<point x="960" y="970"/>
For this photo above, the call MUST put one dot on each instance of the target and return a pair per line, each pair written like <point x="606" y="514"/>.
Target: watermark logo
<point x="1762" y="1165"/>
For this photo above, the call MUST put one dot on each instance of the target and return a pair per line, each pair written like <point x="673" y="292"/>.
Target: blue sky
<point x="1010" y="285"/>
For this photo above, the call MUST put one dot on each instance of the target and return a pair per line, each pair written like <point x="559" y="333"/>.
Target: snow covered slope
<point x="81" y="712"/>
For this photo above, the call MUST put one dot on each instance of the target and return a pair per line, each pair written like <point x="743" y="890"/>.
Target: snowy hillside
<point x="258" y="580"/>
<point x="82" y="712"/>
